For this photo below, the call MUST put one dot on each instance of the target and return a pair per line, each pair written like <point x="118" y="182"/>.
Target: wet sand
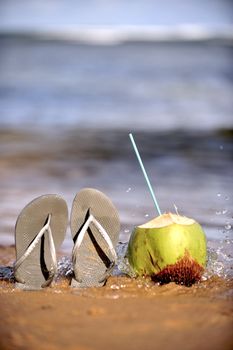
<point x="124" y="314"/>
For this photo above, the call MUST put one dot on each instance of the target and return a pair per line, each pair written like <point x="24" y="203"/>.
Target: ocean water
<point x="159" y="86"/>
<point x="66" y="109"/>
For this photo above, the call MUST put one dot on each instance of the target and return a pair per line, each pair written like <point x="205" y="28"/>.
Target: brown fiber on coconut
<point x="186" y="271"/>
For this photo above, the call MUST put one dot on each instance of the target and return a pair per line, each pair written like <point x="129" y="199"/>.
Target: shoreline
<point x="124" y="35"/>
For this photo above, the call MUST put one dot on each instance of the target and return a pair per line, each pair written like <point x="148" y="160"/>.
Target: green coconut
<point x="168" y="248"/>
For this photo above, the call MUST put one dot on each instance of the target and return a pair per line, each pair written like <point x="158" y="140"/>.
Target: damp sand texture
<point x="124" y="314"/>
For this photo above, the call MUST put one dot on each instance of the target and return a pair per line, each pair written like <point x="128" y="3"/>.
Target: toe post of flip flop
<point x="95" y="228"/>
<point x="39" y="232"/>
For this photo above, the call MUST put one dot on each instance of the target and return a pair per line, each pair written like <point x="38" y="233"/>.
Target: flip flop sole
<point x="93" y="255"/>
<point x="34" y="270"/>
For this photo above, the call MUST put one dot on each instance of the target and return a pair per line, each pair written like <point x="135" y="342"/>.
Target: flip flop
<point x="40" y="229"/>
<point x="95" y="228"/>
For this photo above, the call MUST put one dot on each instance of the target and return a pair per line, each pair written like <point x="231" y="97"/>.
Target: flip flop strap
<point x="32" y="246"/>
<point x="104" y="234"/>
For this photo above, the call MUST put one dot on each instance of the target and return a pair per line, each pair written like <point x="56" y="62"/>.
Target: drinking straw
<point x="145" y="174"/>
<point x="176" y="209"/>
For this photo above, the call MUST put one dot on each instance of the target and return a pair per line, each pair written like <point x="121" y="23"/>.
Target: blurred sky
<point x="61" y="14"/>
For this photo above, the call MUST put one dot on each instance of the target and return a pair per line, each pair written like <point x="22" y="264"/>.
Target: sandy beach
<point x="66" y="109"/>
<point x="125" y="314"/>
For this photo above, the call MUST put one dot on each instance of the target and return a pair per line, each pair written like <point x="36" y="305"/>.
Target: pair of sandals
<point x="40" y="230"/>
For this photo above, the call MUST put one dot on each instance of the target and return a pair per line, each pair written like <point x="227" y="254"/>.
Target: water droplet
<point x="221" y="147"/>
<point x="218" y="212"/>
<point x="115" y="287"/>
<point x="126" y="231"/>
<point x="125" y="267"/>
<point x="218" y="194"/>
<point x="227" y="241"/>
<point x="227" y="226"/>
<point x="128" y="190"/>
<point x="226" y="198"/>
<point x="146" y="215"/>
<point x="224" y="211"/>
<point x="204" y="278"/>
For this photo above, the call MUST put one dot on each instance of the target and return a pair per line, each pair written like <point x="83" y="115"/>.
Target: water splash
<point x="220" y="262"/>
<point x="6" y="273"/>
<point x="220" y="259"/>
<point x="65" y="267"/>
<point x="227" y="226"/>
<point x="221" y="212"/>
<point x="123" y="266"/>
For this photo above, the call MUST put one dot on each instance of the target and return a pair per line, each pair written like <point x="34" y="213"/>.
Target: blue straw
<point x="145" y="174"/>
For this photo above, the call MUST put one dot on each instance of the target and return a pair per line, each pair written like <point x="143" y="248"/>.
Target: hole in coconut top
<point x="166" y="220"/>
